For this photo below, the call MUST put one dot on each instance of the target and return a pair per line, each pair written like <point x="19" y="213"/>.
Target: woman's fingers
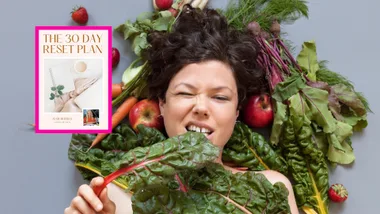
<point x="108" y="205"/>
<point x="86" y="192"/>
<point x="79" y="206"/>
<point x="97" y="181"/>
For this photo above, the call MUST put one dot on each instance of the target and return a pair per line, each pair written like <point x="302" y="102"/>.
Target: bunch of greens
<point x="315" y="116"/>
<point x="175" y="175"/>
<point x="316" y="110"/>
<point x="147" y="22"/>
<point x="137" y="32"/>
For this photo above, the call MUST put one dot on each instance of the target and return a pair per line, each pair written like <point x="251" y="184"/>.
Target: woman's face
<point x="203" y="98"/>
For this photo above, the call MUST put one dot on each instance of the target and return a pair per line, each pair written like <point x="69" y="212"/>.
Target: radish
<point x="162" y="4"/>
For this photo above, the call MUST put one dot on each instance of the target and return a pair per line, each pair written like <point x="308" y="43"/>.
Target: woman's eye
<point x="184" y="94"/>
<point x="221" y="98"/>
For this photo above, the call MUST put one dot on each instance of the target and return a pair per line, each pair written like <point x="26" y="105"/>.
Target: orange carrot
<point x="117" y="117"/>
<point x="116" y="89"/>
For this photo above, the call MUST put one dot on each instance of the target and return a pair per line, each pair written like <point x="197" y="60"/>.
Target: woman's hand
<point x="87" y="202"/>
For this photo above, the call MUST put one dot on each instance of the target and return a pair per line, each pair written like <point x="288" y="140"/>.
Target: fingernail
<point x="99" y="207"/>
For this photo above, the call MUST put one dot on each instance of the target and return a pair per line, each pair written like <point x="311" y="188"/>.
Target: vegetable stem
<point x="109" y="178"/>
<point x="289" y="55"/>
<point x="132" y="85"/>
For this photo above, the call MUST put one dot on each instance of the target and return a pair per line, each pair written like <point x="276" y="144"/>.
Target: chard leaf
<point x="250" y="149"/>
<point x="307" y="165"/>
<point x="307" y="59"/>
<point x="348" y="96"/>
<point x="79" y="142"/>
<point x="317" y="108"/>
<point x="148" y="136"/>
<point x="152" y="164"/>
<point x="279" y="118"/>
<point x="215" y="190"/>
<point x="288" y="88"/>
<point x="124" y="138"/>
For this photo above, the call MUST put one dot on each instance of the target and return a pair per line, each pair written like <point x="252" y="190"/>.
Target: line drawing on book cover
<point x="73" y="84"/>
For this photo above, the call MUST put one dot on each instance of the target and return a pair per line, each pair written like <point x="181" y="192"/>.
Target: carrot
<point x="116" y="89"/>
<point x="117" y="117"/>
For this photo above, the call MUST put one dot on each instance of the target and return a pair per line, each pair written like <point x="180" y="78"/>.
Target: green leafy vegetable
<point x="145" y="23"/>
<point x="214" y="190"/>
<point x="240" y="13"/>
<point x="250" y="149"/>
<point x="307" y="165"/>
<point x="307" y="59"/>
<point x="177" y="175"/>
<point x="284" y="90"/>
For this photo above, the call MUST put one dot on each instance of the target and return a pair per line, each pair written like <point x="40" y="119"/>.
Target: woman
<point x="201" y="74"/>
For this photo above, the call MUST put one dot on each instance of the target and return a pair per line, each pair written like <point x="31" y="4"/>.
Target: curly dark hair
<point x="198" y="36"/>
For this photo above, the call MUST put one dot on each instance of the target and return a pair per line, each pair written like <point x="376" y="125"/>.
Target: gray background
<point x="36" y="175"/>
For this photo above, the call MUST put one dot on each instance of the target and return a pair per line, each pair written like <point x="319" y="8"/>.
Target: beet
<point x="254" y="28"/>
<point x="275" y="28"/>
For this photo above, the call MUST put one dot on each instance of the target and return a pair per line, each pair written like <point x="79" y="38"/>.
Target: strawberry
<point x="338" y="193"/>
<point x="79" y="15"/>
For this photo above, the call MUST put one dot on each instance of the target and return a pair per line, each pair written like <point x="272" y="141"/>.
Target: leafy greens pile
<point x="175" y="175"/>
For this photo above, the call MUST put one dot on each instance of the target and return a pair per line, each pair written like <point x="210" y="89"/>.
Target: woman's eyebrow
<point x="185" y="84"/>
<point x="218" y="88"/>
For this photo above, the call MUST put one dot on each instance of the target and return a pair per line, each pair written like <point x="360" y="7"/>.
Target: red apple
<point x="115" y="57"/>
<point x="258" y="112"/>
<point x="146" y="112"/>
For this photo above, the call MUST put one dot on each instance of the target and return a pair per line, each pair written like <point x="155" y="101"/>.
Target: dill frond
<point x="240" y="13"/>
<point x="333" y="78"/>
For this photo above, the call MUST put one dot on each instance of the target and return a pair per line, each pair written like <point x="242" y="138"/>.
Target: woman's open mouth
<point x="194" y="128"/>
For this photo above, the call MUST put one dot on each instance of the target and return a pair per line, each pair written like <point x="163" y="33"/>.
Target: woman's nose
<point x="200" y="107"/>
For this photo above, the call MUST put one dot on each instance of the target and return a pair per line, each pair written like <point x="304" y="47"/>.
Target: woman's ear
<point x="237" y="114"/>
<point x="161" y="104"/>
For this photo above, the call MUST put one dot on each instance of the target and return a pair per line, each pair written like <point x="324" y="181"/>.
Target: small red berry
<point x="79" y="15"/>
<point x="338" y="193"/>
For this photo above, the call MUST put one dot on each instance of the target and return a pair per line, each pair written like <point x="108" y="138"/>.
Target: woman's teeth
<point x="198" y="129"/>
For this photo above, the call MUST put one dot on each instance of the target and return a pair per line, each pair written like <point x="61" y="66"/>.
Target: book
<point x="73" y="74"/>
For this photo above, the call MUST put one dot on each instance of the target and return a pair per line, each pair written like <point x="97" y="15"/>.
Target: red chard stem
<point x="109" y="178"/>
<point x="182" y="186"/>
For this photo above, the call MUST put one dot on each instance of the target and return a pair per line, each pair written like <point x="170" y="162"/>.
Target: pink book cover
<point x="73" y="79"/>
